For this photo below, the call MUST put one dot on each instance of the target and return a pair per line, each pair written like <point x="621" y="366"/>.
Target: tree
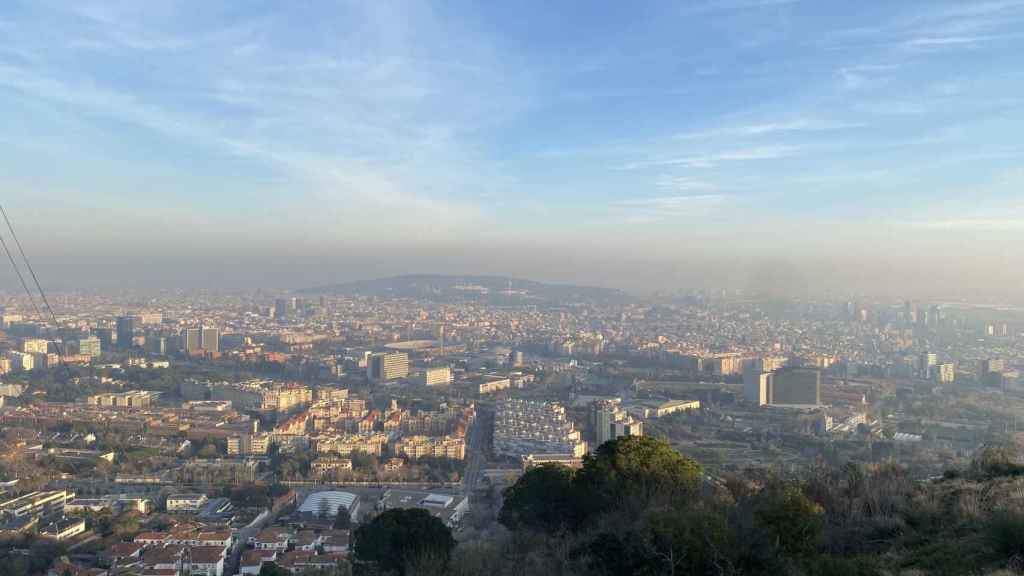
<point x="272" y="569"/>
<point x="343" y="521"/>
<point x="323" y="509"/>
<point x="542" y="499"/>
<point x="400" y="538"/>
<point x="792" y="519"/>
<point x="634" y="471"/>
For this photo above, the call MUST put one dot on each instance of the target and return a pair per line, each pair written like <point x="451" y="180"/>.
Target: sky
<point x="868" y="147"/>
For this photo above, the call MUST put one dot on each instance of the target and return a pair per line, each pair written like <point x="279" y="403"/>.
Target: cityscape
<point x="464" y="288"/>
<point x="149" y="432"/>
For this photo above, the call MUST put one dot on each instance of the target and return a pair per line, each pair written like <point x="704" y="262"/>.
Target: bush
<point x="1005" y="534"/>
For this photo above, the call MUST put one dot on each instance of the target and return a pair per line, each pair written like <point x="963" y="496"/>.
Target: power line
<point x="42" y="294"/>
<point x="20" y="277"/>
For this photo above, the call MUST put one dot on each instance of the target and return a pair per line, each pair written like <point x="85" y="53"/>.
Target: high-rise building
<point x="35" y="345"/>
<point x="91" y="346"/>
<point x="437" y="376"/>
<point x="796" y="386"/>
<point x="106" y="337"/>
<point x="385" y="366"/>
<point x="757" y="386"/>
<point x="210" y="340"/>
<point x="125" y="331"/>
<point x="945" y="373"/>
<point x="156" y="343"/>
<point x="611" y="421"/>
<point x="280" y="308"/>
<point x="191" y="340"/>
<point x="992" y="365"/>
<point x="925" y="364"/>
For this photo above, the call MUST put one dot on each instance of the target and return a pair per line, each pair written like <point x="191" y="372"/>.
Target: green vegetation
<point x="342" y="521"/>
<point x="404" y="542"/>
<point x="24" y="555"/>
<point x="638" y="507"/>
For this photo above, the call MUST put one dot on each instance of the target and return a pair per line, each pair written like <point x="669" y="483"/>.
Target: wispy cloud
<point x="734" y="5"/>
<point x="794" y="125"/>
<point x="712" y="160"/>
<point x="671" y="183"/>
<point x="864" y="75"/>
<point x="967" y="224"/>
<point x="377" y="124"/>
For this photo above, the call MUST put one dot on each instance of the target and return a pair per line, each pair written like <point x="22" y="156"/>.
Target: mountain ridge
<point x="469" y="286"/>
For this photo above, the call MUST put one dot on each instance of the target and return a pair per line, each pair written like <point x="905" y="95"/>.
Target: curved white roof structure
<point x="334" y="500"/>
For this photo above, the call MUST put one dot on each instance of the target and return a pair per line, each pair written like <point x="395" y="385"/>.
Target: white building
<point x="185" y="502"/>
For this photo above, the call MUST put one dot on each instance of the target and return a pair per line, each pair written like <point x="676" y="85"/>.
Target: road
<point x="476" y="449"/>
<point x="242" y="537"/>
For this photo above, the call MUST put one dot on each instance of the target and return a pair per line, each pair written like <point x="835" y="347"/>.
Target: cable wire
<point x="42" y="294"/>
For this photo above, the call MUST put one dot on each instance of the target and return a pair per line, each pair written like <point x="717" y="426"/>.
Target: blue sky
<point x="454" y="131"/>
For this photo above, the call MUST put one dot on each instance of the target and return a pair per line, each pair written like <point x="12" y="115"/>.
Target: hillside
<point x="495" y="289"/>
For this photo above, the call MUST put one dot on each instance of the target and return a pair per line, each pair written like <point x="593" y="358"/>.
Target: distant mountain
<point x="495" y="289"/>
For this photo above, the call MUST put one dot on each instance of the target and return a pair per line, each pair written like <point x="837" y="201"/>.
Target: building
<point x="385" y="366"/>
<point x="437" y="376"/>
<point x="218" y="471"/>
<point x="210" y="340"/>
<point x="156" y="344"/>
<point x="328" y="502"/>
<point x="186" y="502"/>
<point x="945" y="373"/>
<point x="116" y="503"/>
<point x="449" y="508"/>
<point x="492" y="384"/>
<point x="91" y="346"/>
<point x="567" y="460"/>
<point x="610" y="421"/>
<point x="757" y="386"/>
<point x="414" y="447"/>
<point x="35" y="346"/>
<point x="925" y="365"/>
<point x="248" y="445"/>
<point x="130" y="399"/>
<point x="725" y="364"/>
<point x="191" y="340"/>
<point x="63" y="529"/>
<point x="326" y="464"/>
<point x="36" y="504"/>
<point x="280" y="308"/>
<point x="151" y="318"/>
<point x="367" y="443"/>
<point x="125" y="331"/>
<point x="529" y="427"/>
<point x="656" y="409"/>
<point x="796" y="386"/>
<point x="206" y="560"/>
<point x="21" y="361"/>
<point x="285" y="397"/>
<point x="276" y="539"/>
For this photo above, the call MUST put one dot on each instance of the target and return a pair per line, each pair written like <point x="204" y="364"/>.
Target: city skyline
<point x="791" y="145"/>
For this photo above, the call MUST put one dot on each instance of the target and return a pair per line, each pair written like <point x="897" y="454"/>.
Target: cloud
<point x="372" y="119"/>
<point x="966" y="224"/>
<point x="655" y="209"/>
<point x="734" y="5"/>
<point x="682" y="184"/>
<point x="926" y="42"/>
